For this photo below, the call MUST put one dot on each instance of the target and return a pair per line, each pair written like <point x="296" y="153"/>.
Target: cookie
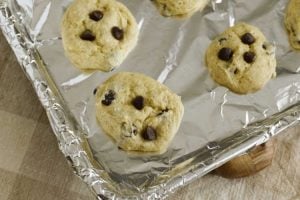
<point x="241" y="59"/>
<point x="138" y="113"/>
<point x="179" y="8"/>
<point x="292" y="23"/>
<point x="98" y="35"/>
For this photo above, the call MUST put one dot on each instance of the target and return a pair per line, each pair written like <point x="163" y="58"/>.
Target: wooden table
<point x="32" y="167"/>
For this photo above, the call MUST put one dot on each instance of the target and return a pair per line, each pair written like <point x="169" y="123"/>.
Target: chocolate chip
<point x="96" y="15"/>
<point x="249" y="57"/>
<point x="117" y="33"/>
<point x="87" y="35"/>
<point x="264" y="47"/>
<point x="225" y="54"/>
<point x="138" y="102"/>
<point x="95" y="91"/>
<point x="236" y="71"/>
<point x="109" y="98"/>
<point x="248" y="38"/>
<point x="110" y="95"/>
<point x="106" y="102"/>
<point x="149" y="134"/>
<point x="163" y="111"/>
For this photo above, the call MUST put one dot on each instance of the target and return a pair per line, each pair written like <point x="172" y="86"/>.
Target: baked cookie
<point x="241" y="59"/>
<point x="98" y="35"/>
<point x="292" y="23"/>
<point x="179" y="8"/>
<point x="138" y="113"/>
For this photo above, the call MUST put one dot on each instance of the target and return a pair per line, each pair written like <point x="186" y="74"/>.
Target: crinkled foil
<point x="217" y="126"/>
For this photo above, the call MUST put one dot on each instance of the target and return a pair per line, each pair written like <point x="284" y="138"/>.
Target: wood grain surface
<point x="33" y="168"/>
<point x="250" y="163"/>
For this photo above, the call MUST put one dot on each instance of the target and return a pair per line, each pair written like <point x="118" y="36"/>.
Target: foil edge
<point x="80" y="161"/>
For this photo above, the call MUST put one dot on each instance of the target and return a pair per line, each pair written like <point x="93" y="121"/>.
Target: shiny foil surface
<point x="217" y="125"/>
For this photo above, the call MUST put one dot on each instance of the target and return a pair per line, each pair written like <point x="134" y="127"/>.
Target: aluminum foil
<point x="218" y="124"/>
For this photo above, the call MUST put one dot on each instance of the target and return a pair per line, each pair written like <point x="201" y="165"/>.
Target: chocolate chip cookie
<point x="98" y="35"/>
<point x="179" y="8"/>
<point x="138" y="113"/>
<point x="241" y="59"/>
<point x="292" y="23"/>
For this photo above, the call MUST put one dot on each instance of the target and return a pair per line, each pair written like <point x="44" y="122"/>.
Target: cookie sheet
<point x="218" y="124"/>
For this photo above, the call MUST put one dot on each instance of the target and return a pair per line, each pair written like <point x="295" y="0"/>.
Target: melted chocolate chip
<point x="248" y="38"/>
<point x="149" y="134"/>
<point x="87" y="35"/>
<point x="96" y="15"/>
<point x="225" y="54"/>
<point x="249" y="57"/>
<point x="138" y="102"/>
<point x="117" y="33"/>
<point x="264" y="47"/>
<point x="109" y="98"/>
